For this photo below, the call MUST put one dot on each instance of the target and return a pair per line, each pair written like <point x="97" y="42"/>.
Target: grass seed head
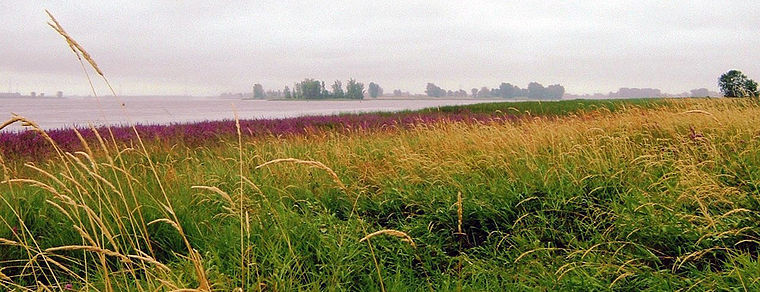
<point x="394" y="233"/>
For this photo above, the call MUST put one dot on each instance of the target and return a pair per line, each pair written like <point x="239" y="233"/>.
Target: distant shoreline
<point x="391" y="98"/>
<point x="516" y="99"/>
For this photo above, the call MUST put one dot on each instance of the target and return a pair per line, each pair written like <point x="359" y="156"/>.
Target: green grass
<point x="544" y="108"/>
<point x="558" y="108"/>
<point x="623" y="195"/>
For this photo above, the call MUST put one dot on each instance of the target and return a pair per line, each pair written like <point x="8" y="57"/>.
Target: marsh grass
<point x="638" y="198"/>
<point x="621" y="196"/>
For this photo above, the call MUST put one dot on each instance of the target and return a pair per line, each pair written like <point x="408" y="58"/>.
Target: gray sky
<point x="207" y="47"/>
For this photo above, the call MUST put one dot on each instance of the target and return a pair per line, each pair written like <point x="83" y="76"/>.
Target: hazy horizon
<point x="200" y="48"/>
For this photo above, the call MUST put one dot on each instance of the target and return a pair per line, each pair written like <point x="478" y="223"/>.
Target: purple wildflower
<point x="30" y="145"/>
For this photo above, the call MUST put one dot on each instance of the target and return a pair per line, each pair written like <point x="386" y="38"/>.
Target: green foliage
<point x="354" y="89"/>
<point x="315" y="89"/>
<point x="337" y="89"/>
<point x="534" y="91"/>
<point x="309" y="89"/>
<point x="735" y="84"/>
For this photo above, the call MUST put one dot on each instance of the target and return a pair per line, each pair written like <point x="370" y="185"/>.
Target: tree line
<point x="626" y="92"/>
<point x="505" y="90"/>
<point x="732" y="84"/>
<point x="317" y="89"/>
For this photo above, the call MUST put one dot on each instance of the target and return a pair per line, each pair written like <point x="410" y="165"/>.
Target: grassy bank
<point x="572" y="195"/>
<point x="29" y="145"/>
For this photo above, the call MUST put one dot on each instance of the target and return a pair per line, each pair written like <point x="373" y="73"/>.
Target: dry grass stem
<point x="390" y="232"/>
<point x="75" y="46"/>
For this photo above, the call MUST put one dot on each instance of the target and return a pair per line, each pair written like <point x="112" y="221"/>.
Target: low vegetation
<point x="29" y="145"/>
<point x="620" y="195"/>
<point x="576" y="195"/>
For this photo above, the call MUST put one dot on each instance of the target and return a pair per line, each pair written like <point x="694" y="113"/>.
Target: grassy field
<point x="573" y="195"/>
<point x="32" y="146"/>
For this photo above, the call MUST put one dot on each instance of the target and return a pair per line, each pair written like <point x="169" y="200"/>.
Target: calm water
<point x="53" y="113"/>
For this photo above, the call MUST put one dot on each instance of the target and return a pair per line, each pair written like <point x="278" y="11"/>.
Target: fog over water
<point x="52" y="113"/>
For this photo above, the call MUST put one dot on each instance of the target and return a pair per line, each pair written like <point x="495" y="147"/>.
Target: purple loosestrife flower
<point x="28" y="144"/>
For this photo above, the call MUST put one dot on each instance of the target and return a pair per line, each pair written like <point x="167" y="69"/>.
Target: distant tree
<point x="735" y="84"/>
<point x="297" y="91"/>
<point x="258" y="91"/>
<point x="484" y="92"/>
<point x="474" y="92"/>
<point x="701" y="92"/>
<point x="536" y="90"/>
<point x="273" y="93"/>
<point x="337" y="89"/>
<point x="433" y="90"/>
<point x="398" y="92"/>
<point x="461" y="93"/>
<point x="374" y="90"/>
<point x="507" y="90"/>
<point x="325" y="93"/>
<point x="555" y="91"/>
<point x="354" y="89"/>
<point x="636" y="92"/>
<point x="309" y="89"/>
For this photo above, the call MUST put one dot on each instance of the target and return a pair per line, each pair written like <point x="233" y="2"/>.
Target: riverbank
<point x="659" y="195"/>
<point x="31" y="145"/>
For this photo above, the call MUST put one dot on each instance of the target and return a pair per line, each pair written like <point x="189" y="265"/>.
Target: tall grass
<point x="642" y="198"/>
<point x="91" y="199"/>
<point x="623" y="197"/>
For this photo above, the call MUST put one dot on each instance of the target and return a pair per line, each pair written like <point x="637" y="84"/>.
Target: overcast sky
<point x="208" y="47"/>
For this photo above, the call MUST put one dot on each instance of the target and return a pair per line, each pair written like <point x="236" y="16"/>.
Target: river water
<point x="53" y="113"/>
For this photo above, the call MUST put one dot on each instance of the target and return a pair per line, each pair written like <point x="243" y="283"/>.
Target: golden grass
<point x="390" y="232"/>
<point x="90" y="185"/>
<point x="417" y="155"/>
<point x="84" y="191"/>
<point x="459" y="213"/>
<point x="78" y="49"/>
